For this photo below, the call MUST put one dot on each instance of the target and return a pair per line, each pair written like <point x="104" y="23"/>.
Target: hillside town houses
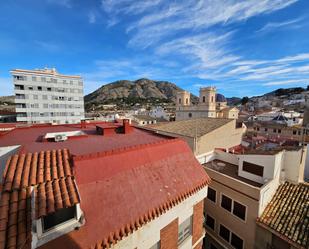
<point x="216" y="177"/>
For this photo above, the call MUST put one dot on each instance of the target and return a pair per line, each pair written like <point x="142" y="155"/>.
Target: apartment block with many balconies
<point x="45" y="96"/>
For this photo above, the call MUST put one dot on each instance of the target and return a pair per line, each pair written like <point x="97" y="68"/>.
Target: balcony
<point x="227" y="174"/>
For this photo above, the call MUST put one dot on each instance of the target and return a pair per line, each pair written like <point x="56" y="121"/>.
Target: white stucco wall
<point x="149" y="234"/>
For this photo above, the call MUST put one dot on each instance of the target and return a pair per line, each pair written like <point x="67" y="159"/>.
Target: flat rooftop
<point x="229" y="170"/>
<point x="31" y="139"/>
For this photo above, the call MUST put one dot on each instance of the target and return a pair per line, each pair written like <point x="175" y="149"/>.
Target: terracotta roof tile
<point x="288" y="213"/>
<point x="32" y="169"/>
<point x="40" y="171"/>
<point x="52" y="196"/>
<point x="15" y="222"/>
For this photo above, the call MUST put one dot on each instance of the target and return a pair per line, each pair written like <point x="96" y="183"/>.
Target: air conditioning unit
<point x="60" y="138"/>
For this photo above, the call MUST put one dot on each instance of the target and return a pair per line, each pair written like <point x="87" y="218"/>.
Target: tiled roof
<point x="122" y="190"/>
<point x="15" y="219"/>
<point x="34" y="168"/>
<point x="50" y="174"/>
<point x="287" y="215"/>
<point x="192" y="127"/>
<point x="54" y="195"/>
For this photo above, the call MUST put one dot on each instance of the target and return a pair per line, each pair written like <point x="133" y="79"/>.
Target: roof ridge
<point x="123" y="149"/>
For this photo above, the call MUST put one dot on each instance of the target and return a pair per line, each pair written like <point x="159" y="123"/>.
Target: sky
<point x="243" y="47"/>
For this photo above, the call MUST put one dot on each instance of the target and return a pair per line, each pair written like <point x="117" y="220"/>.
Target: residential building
<point x="203" y="135"/>
<point x="7" y="116"/>
<point x="87" y="186"/>
<point x="284" y="223"/>
<point x="159" y="112"/>
<point x="142" y="120"/>
<point x="46" y="96"/>
<point x="244" y="180"/>
<point x="210" y="105"/>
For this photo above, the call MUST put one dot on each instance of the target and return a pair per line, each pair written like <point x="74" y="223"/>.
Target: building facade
<point x="210" y="105"/>
<point x="45" y="96"/>
<point x="243" y="184"/>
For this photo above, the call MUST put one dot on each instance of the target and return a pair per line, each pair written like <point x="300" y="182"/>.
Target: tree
<point x="244" y="100"/>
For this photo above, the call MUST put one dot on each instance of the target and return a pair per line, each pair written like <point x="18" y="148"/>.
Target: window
<point x="258" y="128"/>
<point x="274" y="130"/>
<point x="30" y="88"/>
<point x="39" y="88"/>
<point x="224" y="233"/>
<point x="239" y="210"/>
<point x="266" y="129"/>
<point x="210" y="222"/>
<point x="184" y="230"/>
<point x="237" y="242"/>
<point x="19" y="87"/>
<point x="294" y="132"/>
<point x="299" y="132"/>
<point x="44" y="97"/>
<point x="33" y="78"/>
<point x="253" y="168"/>
<point x="212" y="98"/>
<point x="190" y="115"/>
<point x="179" y="101"/>
<point x="211" y="194"/>
<point x="49" y="89"/>
<point x="187" y="101"/>
<point x="226" y="203"/>
<point x="35" y="96"/>
<point x="204" y="99"/>
<point x="279" y="130"/>
<point x="43" y="79"/>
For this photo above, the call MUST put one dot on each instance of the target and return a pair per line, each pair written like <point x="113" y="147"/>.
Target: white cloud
<point x="49" y="46"/>
<point x="91" y="17"/>
<point x="184" y="30"/>
<point x="278" y="25"/>
<point x="285" y="82"/>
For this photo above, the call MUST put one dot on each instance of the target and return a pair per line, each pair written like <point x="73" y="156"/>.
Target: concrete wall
<point x="224" y="137"/>
<point x="270" y="163"/>
<point x="149" y="234"/>
<point x="294" y="165"/>
<point x="243" y="229"/>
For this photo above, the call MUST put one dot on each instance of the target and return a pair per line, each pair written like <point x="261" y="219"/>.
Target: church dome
<point x="220" y="98"/>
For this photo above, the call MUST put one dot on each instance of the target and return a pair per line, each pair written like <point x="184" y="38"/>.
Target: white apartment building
<point x="45" y="96"/>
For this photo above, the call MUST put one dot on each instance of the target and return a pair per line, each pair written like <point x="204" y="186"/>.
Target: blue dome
<point x="220" y="98"/>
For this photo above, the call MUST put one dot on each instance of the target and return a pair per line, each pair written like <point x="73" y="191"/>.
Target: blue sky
<point x="244" y="47"/>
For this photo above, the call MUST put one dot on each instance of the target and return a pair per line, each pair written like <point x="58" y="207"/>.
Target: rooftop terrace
<point x="230" y="170"/>
<point x="32" y="139"/>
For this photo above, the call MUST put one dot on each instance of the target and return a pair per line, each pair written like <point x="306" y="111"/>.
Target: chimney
<point x="83" y="124"/>
<point x="126" y="126"/>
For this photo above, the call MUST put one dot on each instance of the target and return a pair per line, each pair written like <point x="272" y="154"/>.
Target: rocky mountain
<point x="138" y="90"/>
<point x="7" y="99"/>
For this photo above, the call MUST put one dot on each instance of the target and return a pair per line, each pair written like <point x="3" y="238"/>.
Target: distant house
<point x="146" y="119"/>
<point x="204" y="134"/>
<point x="159" y="112"/>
